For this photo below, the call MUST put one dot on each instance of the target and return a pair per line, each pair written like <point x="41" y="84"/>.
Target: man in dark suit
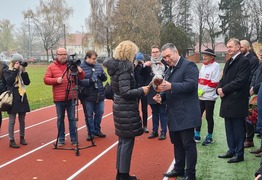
<point x="254" y="62"/>
<point x="233" y="89"/>
<point x="179" y="90"/>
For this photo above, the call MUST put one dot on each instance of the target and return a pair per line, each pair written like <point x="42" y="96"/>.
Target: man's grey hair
<point x="235" y="40"/>
<point x="170" y="46"/>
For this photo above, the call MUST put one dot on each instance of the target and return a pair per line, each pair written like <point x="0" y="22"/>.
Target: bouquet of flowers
<point x="252" y="111"/>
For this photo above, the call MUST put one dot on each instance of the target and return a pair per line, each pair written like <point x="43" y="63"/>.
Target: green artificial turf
<point x="209" y="166"/>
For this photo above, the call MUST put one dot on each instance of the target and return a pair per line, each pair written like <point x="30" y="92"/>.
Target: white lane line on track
<point x="95" y="159"/>
<point x="32" y="126"/>
<point x="36" y="110"/>
<point x="37" y="124"/>
<point x="170" y="168"/>
<point x="36" y="149"/>
<point x="92" y="161"/>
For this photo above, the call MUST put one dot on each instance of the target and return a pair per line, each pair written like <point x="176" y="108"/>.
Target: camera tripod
<point x="73" y="86"/>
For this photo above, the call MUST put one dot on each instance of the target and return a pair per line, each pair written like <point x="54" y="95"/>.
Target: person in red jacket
<point x="54" y="77"/>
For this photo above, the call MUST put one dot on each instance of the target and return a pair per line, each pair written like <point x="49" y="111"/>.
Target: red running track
<point x="38" y="160"/>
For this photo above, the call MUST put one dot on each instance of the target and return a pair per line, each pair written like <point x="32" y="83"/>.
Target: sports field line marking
<point x="36" y="149"/>
<point x="36" y="110"/>
<point x="95" y="159"/>
<point x="42" y="122"/>
<point x="28" y="127"/>
<point x="170" y="168"/>
<point x="92" y="161"/>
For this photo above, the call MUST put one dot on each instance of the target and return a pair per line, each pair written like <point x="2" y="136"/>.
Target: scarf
<point x="158" y="68"/>
<point x="21" y="86"/>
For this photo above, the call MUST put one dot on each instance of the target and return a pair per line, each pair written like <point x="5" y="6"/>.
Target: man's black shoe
<point x="236" y="159"/>
<point x="256" y="151"/>
<point x="162" y="137"/>
<point x="89" y="137"/>
<point x="99" y="134"/>
<point x="189" y="178"/>
<point x="173" y="173"/>
<point x="153" y="135"/>
<point x="227" y="155"/>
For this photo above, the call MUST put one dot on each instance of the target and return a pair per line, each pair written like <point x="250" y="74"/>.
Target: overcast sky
<point x="12" y="10"/>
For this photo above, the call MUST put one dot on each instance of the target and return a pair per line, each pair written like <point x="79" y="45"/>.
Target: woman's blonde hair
<point x="126" y="50"/>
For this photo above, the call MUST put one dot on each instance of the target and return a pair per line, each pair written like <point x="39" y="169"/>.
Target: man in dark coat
<point x="233" y="89"/>
<point x="179" y="90"/>
<point x="254" y="62"/>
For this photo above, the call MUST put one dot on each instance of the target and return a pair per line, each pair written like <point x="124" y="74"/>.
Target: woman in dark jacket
<point x="3" y="67"/>
<point x="17" y="79"/>
<point x="125" y="108"/>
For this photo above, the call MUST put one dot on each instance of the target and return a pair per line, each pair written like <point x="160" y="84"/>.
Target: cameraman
<point x="54" y="76"/>
<point x="92" y="95"/>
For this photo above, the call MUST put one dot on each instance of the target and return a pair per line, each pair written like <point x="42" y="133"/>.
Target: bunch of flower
<point x="252" y="114"/>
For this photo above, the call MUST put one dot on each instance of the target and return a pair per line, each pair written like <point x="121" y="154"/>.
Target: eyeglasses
<point x="62" y="54"/>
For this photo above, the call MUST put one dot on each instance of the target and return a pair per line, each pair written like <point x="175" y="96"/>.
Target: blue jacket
<point x="91" y="87"/>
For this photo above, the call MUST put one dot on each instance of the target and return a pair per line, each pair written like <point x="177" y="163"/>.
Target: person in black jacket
<point x="255" y="89"/>
<point x="141" y="81"/>
<point x="17" y="79"/>
<point x="3" y="67"/>
<point x="156" y="67"/>
<point x="127" y="121"/>
<point x="254" y="62"/>
<point x="93" y="94"/>
<point x="233" y="90"/>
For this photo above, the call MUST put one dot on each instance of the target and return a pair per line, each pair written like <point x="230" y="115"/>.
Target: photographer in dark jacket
<point x="92" y="95"/>
<point x="3" y="67"/>
<point x="17" y="79"/>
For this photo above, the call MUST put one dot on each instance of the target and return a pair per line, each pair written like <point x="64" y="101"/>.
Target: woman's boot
<point x="22" y="140"/>
<point x="12" y="144"/>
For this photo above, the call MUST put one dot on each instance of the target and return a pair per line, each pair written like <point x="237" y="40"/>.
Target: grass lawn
<point x="39" y="94"/>
<point x="209" y="166"/>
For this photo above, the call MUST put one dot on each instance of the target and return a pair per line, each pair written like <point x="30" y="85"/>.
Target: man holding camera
<point x="54" y="76"/>
<point x="93" y="95"/>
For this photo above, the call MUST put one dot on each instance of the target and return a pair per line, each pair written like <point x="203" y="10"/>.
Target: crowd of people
<point x="179" y="94"/>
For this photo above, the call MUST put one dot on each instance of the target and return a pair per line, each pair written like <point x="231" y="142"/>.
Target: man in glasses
<point x="55" y="77"/>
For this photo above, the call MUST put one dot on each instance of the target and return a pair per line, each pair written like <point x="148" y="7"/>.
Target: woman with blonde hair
<point x="16" y="80"/>
<point x="127" y="121"/>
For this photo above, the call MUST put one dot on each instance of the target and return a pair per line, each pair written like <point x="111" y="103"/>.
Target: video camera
<point x="72" y="62"/>
<point x="23" y="63"/>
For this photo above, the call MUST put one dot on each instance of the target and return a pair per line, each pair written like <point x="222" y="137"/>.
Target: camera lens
<point x="23" y="63"/>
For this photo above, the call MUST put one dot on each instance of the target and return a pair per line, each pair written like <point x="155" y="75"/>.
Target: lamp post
<point x="28" y="15"/>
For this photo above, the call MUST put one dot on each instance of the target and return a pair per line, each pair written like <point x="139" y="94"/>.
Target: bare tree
<point x="254" y="23"/>
<point x="212" y="21"/>
<point x="138" y="22"/>
<point x="100" y="23"/>
<point x="6" y="35"/>
<point x="49" y="19"/>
